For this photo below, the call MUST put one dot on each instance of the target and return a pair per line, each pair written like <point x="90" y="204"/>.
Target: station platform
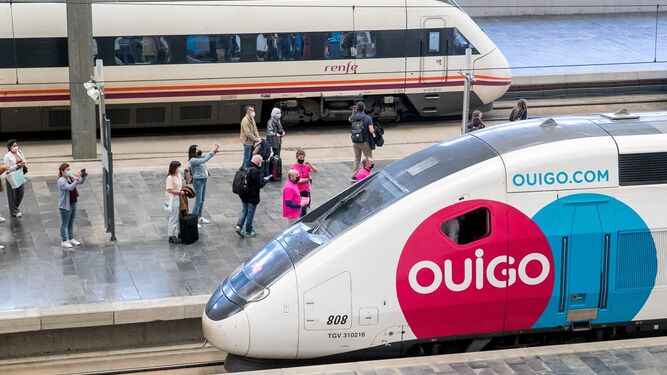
<point x="582" y="51"/>
<point x="638" y="356"/>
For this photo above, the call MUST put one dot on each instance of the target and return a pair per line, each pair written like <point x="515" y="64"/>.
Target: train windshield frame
<point x="362" y="203"/>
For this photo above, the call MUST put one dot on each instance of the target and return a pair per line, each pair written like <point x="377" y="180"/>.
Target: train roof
<point x="520" y="135"/>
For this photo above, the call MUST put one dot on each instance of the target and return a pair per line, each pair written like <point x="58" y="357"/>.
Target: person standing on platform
<point x="361" y="130"/>
<point x="67" y="183"/>
<point x="14" y="160"/>
<point x="250" y="198"/>
<point x="200" y="174"/>
<point x="249" y="133"/>
<point x="292" y="202"/>
<point x="476" y="123"/>
<point x="305" y="169"/>
<point x="174" y="185"/>
<point x="275" y="131"/>
<point x="520" y="111"/>
<point x="366" y="170"/>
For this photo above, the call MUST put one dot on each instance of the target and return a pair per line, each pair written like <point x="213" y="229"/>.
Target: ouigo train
<point x="190" y="63"/>
<point x="546" y="225"/>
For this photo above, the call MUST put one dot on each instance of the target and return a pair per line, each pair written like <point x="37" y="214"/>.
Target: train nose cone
<point x="231" y="335"/>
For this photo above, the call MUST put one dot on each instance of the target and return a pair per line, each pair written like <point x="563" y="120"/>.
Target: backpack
<point x="357" y="131"/>
<point x="263" y="149"/>
<point x="240" y="183"/>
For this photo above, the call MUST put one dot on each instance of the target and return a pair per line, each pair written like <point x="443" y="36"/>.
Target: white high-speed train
<point x="516" y="231"/>
<point x="200" y="62"/>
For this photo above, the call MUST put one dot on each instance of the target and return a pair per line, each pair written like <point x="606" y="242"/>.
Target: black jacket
<point x="255" y="183"/>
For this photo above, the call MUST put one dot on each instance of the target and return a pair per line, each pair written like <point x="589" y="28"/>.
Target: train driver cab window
<point x="433" y="42"/>
<point x="457" y="43"/>
<point x="469" y="227"/>
<point x="141" y="50"/>
<point x="213" y="48"/>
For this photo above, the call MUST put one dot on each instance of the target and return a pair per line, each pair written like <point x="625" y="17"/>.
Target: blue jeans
<point x="247" y="154"/>
<point x="67" y="223"/>
<point x="247" y="215"/>
<point x="200" y="190"/>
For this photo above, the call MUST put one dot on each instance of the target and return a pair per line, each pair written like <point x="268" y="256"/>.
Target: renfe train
<point x="200" y="62"/>
<point x="518" y="230"/>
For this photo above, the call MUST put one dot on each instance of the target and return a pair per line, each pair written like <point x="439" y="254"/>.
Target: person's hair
<point x="361" y="107"/>
<point x="192" y="152"/>
<point x="62" y="168"/>
<point x="275" y="111"/>
<point x="476" y="114"/>
<point x="292" y="172"/>
<point x="173" y="166"/>
<point x="367" y="160"/>
<point x="256" y="158"/>
<point x="10" y="143"/>
<point x="521" y="103"/>
<point x="249" y="106"/>
<point x="300" y="152"/>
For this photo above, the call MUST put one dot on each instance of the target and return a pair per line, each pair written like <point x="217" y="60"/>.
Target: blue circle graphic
<point x="605" y="260"/>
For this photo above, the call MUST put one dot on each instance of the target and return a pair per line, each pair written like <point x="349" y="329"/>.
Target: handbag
<point x="16" y="179"/>
<point x="168" y="202"/>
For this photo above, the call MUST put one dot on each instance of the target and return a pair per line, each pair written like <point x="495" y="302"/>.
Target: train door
<point x="585" y="253"/>
<point x="433" y="60"/>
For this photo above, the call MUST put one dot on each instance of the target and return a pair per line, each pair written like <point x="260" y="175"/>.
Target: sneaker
<point x="66" y="244"/>
<point x="203" y="221"/>
<point x="19" y="214"/>
<point x="239" y="231"/>
<point x="2" y="219"/>
<point x="252" y="233"/>
<point x="174" y="239"/>
<point x="198" y="226"/>
<point x="75" y="242"/>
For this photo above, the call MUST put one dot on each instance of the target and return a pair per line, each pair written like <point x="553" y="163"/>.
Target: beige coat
<point x="249" y="133"/>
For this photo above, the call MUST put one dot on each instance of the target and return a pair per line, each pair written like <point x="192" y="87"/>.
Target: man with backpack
<point x="247" y="183"/>
<point x="361" y="131"/>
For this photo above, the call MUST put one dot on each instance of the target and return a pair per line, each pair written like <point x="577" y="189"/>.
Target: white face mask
<point x="252" y="114"/>
<point x="70" y="174"/>
<point x="179" y="170"/>
<point x="278" y="116"/>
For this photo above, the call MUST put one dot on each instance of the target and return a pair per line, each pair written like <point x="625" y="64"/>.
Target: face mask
<point x="371" y="166"/>
<point x="278" y="116"/>
<point x="70" y="174"/>
<point x="199" y="153"/>
<point x="300" y="161"/>
<point x="15" y="148"/>
<point x="296" y="179"/>
<point x="179" y="170"/>
<point x="252" y="114"/>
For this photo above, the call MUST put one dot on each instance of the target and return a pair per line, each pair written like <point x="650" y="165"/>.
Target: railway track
<point x="187" y="359"/>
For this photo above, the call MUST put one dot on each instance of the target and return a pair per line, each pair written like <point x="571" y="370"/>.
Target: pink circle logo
<point x="475" y="267"/>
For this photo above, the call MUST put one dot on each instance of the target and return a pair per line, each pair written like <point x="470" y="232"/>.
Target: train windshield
<point x="370" y="198"/>
<point x="251" y="280"/>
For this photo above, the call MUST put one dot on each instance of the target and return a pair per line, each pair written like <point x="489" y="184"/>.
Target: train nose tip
<point x="231" y="335"/>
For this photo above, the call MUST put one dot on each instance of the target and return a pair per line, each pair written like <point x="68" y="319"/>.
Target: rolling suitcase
<point x="275" y="168"/>
<point x="189" y="231"/>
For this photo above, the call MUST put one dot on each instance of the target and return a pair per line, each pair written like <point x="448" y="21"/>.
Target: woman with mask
<point x="200" y="174"/>
<point x="292" y="202"/>
<point x="173" y="192"/>
<point x="67" y="183"/>
<point x="275" y="131"/>
<point x="14" y="160"/>
<point x="305" y="169"/>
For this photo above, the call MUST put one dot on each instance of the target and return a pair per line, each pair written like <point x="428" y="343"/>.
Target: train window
<point x="469" y="227"/>
<point x="141" y="50"/>
<point x="349" y="45"/>
<point x="457" y="43"/>
<point x="283" y="47"/>
<point x="213" y="48"/>
<point x="94" y="50"/>
<point x="433" y="41"/>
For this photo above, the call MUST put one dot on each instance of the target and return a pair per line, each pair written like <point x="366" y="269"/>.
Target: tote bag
<point x="16" y="179"/>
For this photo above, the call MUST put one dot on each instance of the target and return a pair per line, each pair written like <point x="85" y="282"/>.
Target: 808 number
<point x="337" y="319"/>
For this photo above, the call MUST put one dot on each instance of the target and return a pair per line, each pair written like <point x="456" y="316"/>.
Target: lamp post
<point x="469" y="80"/>
<point x="95" y="89"/>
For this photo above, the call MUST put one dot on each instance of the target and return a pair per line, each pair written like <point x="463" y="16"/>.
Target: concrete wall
<point x="492" y="8"/>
